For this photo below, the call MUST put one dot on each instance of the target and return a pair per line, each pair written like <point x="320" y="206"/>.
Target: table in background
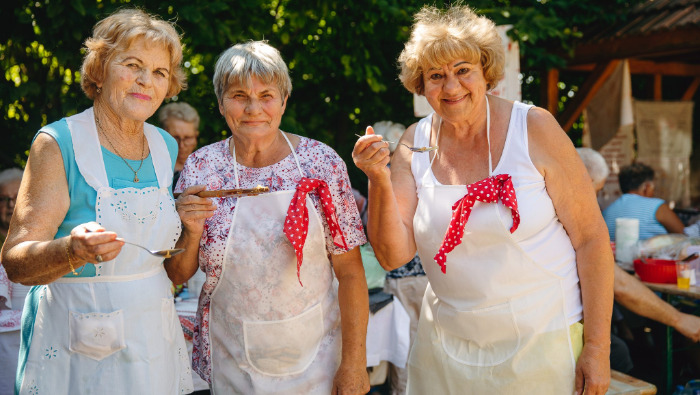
<point x="670" y="290"/>
<point x="622" y="384"/>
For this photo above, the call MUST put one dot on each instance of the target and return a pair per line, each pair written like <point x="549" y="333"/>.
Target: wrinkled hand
<point x="350" y="380"/>
<point x="593" y="370"/>
<point x="372" y="155"/>
<point x="91" y="239"/>
<point x="689" y="326"/>
<point x="194" y="210"/>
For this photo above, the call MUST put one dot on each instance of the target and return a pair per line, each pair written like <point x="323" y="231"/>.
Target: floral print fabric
<point x="213" y="166"/>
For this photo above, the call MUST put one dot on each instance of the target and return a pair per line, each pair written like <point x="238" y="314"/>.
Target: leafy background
<point x="341" y="55"/>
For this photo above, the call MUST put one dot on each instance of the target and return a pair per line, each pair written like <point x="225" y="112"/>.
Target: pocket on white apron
<point x="482" y="337"/>
<point x="285" y="347"/>
<point x="96" y="335"/>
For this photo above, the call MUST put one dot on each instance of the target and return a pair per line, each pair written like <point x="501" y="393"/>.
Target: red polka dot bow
<point x="488" y="190"/>
<point x="297" y="223"/>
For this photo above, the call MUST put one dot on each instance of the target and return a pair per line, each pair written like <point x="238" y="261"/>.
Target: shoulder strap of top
<point x="160" y="155"/>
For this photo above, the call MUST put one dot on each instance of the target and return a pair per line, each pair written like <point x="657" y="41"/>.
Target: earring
<point x="99" y="90"/>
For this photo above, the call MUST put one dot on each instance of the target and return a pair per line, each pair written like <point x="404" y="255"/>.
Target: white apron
<point x="269" y="334"/>
<point x="495" y="323"/>
<point x="117" y="332"/>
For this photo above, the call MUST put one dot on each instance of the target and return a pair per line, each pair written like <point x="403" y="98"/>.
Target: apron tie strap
<point x="296" y="224"/>
<point x="488" y="190"/>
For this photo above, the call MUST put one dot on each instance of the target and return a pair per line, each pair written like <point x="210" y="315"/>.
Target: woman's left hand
<point x="351" y="380"/>
<point x="593" y="370"/>
<point x="194" y="210"/>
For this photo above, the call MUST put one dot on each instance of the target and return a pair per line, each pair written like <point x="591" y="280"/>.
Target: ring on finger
<point x="98" y="258"/>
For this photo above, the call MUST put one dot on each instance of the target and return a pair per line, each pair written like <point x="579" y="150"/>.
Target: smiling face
<point x="453" y="89"/>
<point x="136" y="80"/>
<point x="253" y="111"/>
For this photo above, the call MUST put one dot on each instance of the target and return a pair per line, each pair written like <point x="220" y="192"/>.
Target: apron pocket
<point x="96" y="335"/>
<point x="286" y="347"/>
<point x="483" y="337"/>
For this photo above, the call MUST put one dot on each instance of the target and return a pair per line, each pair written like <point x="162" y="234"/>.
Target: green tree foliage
<point x="341" y="55"/>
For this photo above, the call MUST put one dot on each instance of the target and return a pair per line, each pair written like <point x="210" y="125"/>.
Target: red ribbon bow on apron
<point x="297" y="222"/>
<point x="488" y="190"/>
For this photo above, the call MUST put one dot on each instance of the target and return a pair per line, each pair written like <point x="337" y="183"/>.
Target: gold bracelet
<point x="72" y="269"/>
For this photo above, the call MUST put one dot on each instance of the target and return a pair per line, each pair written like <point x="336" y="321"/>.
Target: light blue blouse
<point x="82" y="195"/>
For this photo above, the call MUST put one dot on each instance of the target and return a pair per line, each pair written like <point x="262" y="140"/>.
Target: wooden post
<point x="657" y="87"/>
<point x="589" y="88"/>
<point x="552" y="91"/>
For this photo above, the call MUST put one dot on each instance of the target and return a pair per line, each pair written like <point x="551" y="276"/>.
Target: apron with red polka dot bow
<point x="493" y="320"/>
<point x="269" y="333"/>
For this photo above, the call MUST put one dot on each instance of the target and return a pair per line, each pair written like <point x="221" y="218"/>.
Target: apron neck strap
<point x="488" y="133"/>
<point x="289" y="143"/>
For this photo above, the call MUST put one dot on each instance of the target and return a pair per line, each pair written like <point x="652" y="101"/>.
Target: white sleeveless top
<point x="540" y="234"/>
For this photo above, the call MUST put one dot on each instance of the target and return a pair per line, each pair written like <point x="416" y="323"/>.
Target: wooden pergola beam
<point x="589" y="88"/>
<point x="648" y="67"/>
<point x="657" y="87"/>
<point x="659" y="43"/>
<point x="692" y="88"/>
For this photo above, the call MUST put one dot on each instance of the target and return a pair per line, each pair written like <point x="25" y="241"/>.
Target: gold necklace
<point x="136" y="177"/>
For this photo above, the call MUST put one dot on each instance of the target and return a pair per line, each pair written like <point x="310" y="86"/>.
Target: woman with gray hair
<point x="101" y="318"/>
<point x="503" y="216"/>
<point x="284" y="308"/>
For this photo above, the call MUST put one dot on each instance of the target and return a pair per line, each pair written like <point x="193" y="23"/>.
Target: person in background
<point x="504" y="218"/>
<point x="272" y="320"/>
<point x="629" y="291"/>
<point x="638" y="201"/>
<point x="11" y="294"/>
<point x="182" y="122"/>
<point x="101" y="318"/>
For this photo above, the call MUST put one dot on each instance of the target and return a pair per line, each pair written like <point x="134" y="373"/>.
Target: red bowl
<point x="656" y="270"/>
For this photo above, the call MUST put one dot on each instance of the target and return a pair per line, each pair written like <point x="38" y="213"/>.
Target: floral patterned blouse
<point x="213" y="166"/>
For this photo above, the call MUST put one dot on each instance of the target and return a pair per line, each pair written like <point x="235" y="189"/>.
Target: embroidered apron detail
<point x="297" y="221"/>
<point x="97" y="335"/>
<point x="488" y="190"/>
<point x="285" y="347"/>
<point x="116" y="332"/>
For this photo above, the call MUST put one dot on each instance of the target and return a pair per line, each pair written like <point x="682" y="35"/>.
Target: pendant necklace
<point x="136" y="177"/>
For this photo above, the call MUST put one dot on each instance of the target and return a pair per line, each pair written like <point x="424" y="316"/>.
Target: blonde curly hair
<point x="116" y="33"/>
<point x="441" y="36"/>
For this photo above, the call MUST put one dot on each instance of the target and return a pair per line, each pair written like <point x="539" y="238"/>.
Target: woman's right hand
<point x="371" y="155"/>
<point x="194" y="210"/>
<point x="89" y="240"/>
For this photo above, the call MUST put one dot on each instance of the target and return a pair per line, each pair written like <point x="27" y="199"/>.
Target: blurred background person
<point x="101" y="318"/>
<point x="11" y="294"/>
<point x="638" y="201"/>
<point x="258" y="329"/>
<point x="182" y="122"/>
<point x="523" y="259"/>
<point x="632" y="293"/>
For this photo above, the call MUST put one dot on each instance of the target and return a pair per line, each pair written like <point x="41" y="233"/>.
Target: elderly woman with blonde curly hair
<point x="101" y="318"/>
<point x="504" y="218"/>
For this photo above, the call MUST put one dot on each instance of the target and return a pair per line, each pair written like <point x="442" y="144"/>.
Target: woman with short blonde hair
<point x="503" y="216"/>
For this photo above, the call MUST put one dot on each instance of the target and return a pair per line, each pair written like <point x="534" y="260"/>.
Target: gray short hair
<point x="595" y="164"/>
<point x="11" y="174"/>
<point x="180" y="111"/>
<point x="238" y="64"/>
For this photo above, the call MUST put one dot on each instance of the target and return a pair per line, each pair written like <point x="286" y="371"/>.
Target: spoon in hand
<point x="414" y="149"/>
<point x="162" y="253"/>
